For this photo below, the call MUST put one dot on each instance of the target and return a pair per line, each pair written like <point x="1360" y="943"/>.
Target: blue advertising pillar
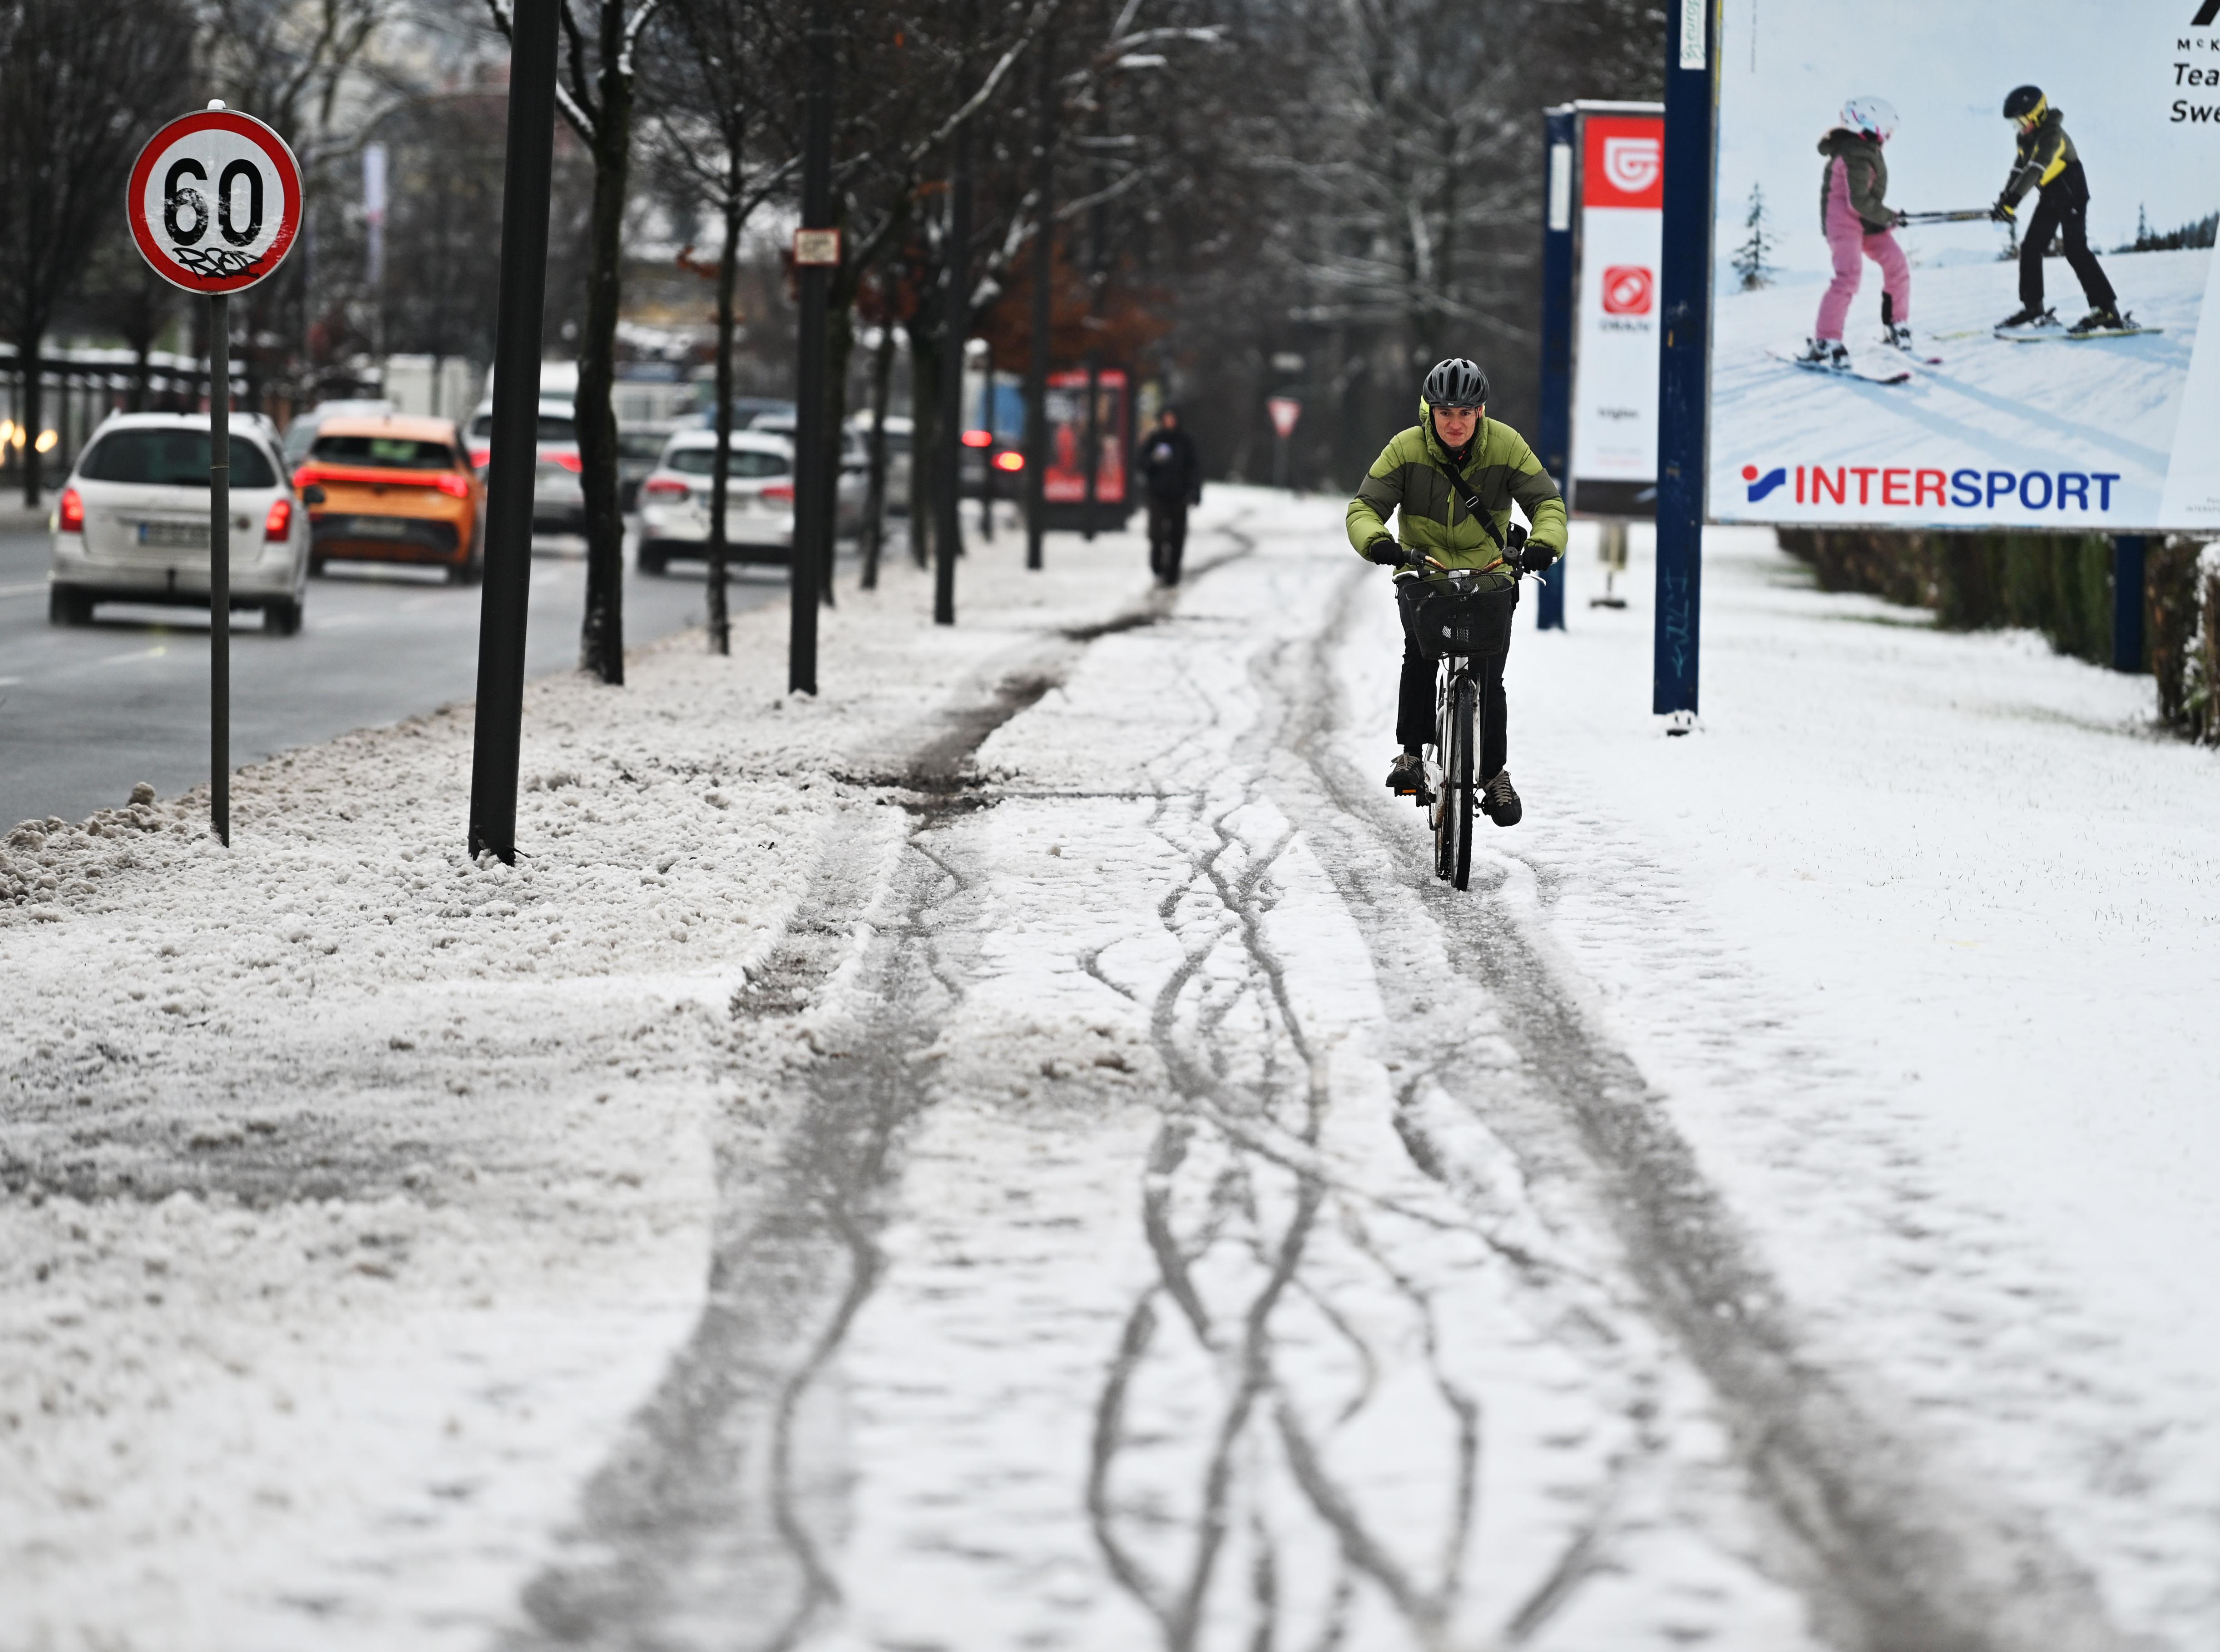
<point x="1554" y="431"/>
<point x="2128" y="551"/>
<point x="1685" y="284"/>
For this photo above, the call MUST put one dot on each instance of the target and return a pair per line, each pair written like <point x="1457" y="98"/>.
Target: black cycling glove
<point x="1536" y="558"/>
<point x="1385" y="551"/>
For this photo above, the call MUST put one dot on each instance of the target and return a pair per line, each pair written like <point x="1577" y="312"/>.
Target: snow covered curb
<point x="354" y="1194"/>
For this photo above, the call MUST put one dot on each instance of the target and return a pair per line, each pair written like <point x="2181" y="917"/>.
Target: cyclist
<point x="1452" y="477"/>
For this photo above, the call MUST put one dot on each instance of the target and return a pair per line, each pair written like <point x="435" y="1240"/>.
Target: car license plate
<point x="187" y="536"/>
<point x="380" y="527"/>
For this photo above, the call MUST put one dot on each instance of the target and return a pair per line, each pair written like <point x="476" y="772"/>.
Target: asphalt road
<point x="85" y="713"/>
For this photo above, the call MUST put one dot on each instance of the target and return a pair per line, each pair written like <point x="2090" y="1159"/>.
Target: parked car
<point x="746" y="409"/>
<point x="854" y="483"/>
<point x="558" y="502"/>
<point x="898" y="435"/>
<point x="638" y="447"/>
<point x="131" y="522"/>
<point x="395" y="489"/>
<point x="674" y="500"/>
<point x="302" y="433"/>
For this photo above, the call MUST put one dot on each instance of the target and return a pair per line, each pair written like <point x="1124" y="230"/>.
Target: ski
<point x="1866" y="375"/>
<point x="2065" y="336"/>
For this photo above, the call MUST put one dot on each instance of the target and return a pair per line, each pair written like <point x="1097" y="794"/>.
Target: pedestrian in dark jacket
<point x="1166" y="462"/>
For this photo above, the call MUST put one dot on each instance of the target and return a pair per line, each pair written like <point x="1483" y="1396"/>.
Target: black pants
<point x="1414" y="696"/>
<point x="2064" y="207"/>
<point x="1167" y="536"/>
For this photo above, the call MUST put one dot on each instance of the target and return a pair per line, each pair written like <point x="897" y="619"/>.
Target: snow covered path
<point x="1024" y="1153"/>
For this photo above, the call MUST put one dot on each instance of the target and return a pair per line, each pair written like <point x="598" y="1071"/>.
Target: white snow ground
<point x="1232" y="1272"/>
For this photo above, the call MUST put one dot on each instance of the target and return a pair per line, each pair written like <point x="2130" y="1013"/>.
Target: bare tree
<point x="595" y="87"/>
<point x="76" y="78"/>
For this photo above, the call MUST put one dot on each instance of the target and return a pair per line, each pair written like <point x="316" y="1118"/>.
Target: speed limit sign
<point x="214" y="202"/>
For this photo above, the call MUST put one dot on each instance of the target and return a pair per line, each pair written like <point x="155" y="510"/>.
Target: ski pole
<point x="1972" y="215"/>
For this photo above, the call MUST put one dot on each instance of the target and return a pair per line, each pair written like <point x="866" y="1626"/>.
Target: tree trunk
<point x="601" y="642"/>
<point x="925" y="418"/>
<point x="28" y="365"/>
<point x="720" y="627"/>
<point x="875" y="499"/>
<point x="840" y="349"/>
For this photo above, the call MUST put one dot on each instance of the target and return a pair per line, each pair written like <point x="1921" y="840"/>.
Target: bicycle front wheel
<point x="1456" y="781"/>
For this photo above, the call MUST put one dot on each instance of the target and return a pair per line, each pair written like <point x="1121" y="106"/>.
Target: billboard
<point x="1982" y="410"/>
<point x="1064" y="481"/>
<point x="1614" y="463"/>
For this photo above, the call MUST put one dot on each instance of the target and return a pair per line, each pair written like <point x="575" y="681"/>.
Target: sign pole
<point x="513" y="450"/>
<point x="2128" y="551"/>
<point x="1044" y="97"/>
<point x="1690" y="124"/>
<point x="812" y="556"/>
<point x="1554" y="427"/>
<point x="220" y="565"/>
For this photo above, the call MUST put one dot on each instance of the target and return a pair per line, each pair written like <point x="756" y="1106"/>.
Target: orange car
<point x="395" y="489"/>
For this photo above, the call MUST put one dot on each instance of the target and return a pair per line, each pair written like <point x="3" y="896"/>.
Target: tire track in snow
<point x="1895" y="1561"/>
<point x="711" y="1524"/>
<point x="1250" y="1134"/>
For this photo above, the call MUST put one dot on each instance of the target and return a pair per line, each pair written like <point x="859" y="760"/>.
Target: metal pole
<point x="220" y="565"/>
<point x="988" y="406"/>
<point x="1691" y="110"/>
<point x="1555" y="427"/>
<point x="955" y="322"/>
<point x="812" y="557"/>
<point x="512" y="456"/>
<point x="2128" y="553"/>
<point x="1098" y="279"/>
<point x="1043" y="314"/>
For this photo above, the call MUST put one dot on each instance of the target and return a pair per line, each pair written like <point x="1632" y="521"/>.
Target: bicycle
<point x="1461" y="622"/>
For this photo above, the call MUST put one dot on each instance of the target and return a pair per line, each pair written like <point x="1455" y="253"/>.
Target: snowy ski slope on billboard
<point x="2104" y="434"/>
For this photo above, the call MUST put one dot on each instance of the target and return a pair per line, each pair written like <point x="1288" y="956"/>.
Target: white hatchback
<point x="674" y="500"/>
<point x="131" y="523"/>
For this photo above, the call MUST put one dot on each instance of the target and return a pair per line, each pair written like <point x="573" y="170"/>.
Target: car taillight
<point x="1009" y="459"/>
<point x="71" y="510"/>
<point x="780" y="493"/>
<point x="279" y="522"/>
<point x="480" y="455"/>
<point x="304" y="475"/>
<point x="978" y="438"/>
<point x="665" y="488"/>
<point x="570" y="462"/>
<point x="454" y="486"/>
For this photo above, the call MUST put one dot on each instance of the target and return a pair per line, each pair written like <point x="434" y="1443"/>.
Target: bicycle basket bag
<point x="1466" y="622"/>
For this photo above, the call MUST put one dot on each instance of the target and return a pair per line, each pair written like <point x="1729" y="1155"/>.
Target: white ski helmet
<point x="1874" y="116"/>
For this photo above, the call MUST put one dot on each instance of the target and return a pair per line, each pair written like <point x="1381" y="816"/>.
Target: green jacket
<point x="1412" y="473"/>
<point x="1865" y="172"/>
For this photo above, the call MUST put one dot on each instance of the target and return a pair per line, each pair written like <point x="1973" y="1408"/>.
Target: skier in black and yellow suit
<point x="2045" y="160"/>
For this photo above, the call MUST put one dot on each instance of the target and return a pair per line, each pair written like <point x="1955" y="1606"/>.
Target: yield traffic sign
<point x="215" y="201"/>
<point x="1285" y="411"/>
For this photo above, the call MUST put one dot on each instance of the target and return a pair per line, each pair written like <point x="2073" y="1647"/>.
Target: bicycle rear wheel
<point x="1456" y="781"/>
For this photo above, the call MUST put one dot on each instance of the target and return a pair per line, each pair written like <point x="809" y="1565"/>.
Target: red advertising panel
<point x="1065" y="481"/>
<point x="1623" y="162"/>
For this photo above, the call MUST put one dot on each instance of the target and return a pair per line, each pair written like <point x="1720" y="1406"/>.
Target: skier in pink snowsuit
<point x="1858" y="222"/>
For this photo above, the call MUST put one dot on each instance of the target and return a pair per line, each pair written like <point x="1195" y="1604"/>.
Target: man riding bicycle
<point x="1453" y="476"/>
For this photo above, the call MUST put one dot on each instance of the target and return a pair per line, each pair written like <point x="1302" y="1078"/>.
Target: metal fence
<point x="79" y="388"/>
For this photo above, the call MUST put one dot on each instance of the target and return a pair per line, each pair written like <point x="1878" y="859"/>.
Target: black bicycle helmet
<point x="1456" y="382"/>
<point x="2022" y="102"/>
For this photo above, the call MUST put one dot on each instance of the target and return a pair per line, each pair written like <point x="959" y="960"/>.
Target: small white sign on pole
<point x="1285" y="411"/>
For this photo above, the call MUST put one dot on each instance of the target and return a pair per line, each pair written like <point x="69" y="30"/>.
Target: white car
<point x="131" y="523"/>
<point x="674" y="500"/>
<point x="558" y="498"/>
<point x="899" y="433"/>
<point x="849" y="491"/>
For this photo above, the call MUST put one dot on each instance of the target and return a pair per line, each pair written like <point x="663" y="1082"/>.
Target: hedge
<point x="2059" y="584"/>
